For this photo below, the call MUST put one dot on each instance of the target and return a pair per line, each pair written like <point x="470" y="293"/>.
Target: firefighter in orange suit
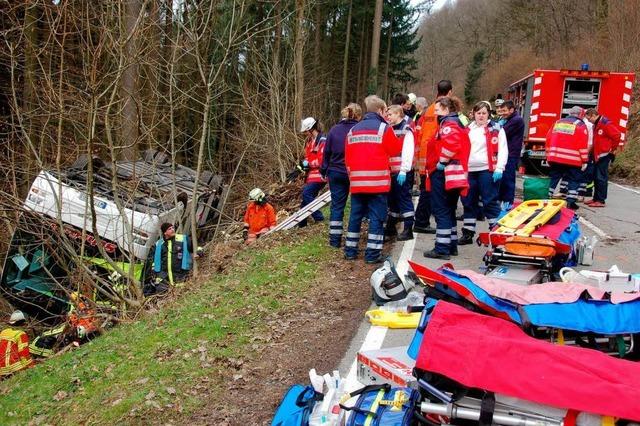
<point x="260" y="216"/>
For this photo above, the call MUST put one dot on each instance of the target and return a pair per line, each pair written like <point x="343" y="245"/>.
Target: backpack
<point x="387" y="285"/>
<point x="296" y="406"/>
<point x="383" y="405"/>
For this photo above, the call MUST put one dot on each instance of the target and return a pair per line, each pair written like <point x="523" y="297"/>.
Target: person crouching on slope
<point x="259" y="218"/>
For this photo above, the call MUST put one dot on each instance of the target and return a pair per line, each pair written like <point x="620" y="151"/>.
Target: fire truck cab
<point x="545" y="96"/>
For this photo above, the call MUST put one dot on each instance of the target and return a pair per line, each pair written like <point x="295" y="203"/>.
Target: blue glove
<point x="305" y="163"/>
<point x="497" y="175"/>
<point x="440" y="166"/>
<point x="402" y="177"/>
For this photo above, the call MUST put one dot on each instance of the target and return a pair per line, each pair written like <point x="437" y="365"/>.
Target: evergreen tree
<point x="474" y="71"/>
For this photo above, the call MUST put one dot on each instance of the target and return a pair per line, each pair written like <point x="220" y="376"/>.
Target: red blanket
<point x="489" y="353"/>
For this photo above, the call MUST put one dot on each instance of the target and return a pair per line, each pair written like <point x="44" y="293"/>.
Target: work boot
<point x="424" y="229"/>
<point x="405" y="235"/>
<point x="467" y="237"/>
<point x="378" y="259"/>
<point x="390" y="233"/>
<point x="433" y="254"/>
<point x="454" y="252"/>
<point x="573" y="206"/>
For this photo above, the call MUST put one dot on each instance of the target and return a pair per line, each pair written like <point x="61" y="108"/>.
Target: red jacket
<point x="606" y="137"/>
<point x="370" y="143"/>
<point x="313" y="152"/>
<point x="451" y="146"/>
<point x="568" y="142"/>
<point x="492" y="132"/>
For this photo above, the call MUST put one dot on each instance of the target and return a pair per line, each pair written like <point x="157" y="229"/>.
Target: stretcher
<point x="528" y="216"/>
<point x="478" y="367"/>
<point x="389" y="319"/>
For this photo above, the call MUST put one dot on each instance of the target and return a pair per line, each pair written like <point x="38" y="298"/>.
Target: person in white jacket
<point x="487" y="159"/>
<point x="400" y="204"/>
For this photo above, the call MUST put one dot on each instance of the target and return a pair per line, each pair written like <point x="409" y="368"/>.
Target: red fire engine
<point x="544" y="96"/>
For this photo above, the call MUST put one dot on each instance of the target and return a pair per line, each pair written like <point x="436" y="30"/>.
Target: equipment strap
<point x="487" y="406"/>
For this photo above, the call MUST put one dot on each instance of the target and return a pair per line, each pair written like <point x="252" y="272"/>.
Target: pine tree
<point x="474" y="71"/>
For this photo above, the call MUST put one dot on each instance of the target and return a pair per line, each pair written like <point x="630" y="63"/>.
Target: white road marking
<point x="626" y="188"/>
<point x="594" y="228"/>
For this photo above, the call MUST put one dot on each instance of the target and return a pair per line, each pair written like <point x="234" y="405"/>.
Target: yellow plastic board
<point x="393" y="319"/>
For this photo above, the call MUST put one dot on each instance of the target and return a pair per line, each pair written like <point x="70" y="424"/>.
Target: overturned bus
<point x="90" y="228"/>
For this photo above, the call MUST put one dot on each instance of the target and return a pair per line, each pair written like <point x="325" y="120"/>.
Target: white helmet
<point x="307" y="124"/>
<point x="17" y="316"/>
<point x="256" y="194"/>
<point x="412" y="98"/>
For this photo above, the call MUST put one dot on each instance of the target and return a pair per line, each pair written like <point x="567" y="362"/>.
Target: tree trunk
<point x="385" y="87"/>
<point x="345" y="59"/>
<point x="375" y="48"/>
<point x="129" y="84"/>
<point x="28" y="170"/>
<point x="299" y="60"/>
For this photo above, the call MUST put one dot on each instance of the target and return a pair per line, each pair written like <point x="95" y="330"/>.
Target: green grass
<point x="157" y="359"/>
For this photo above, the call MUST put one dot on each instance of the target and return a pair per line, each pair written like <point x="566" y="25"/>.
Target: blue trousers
<point x="423" y="210"/>
<point x="374" y="207"/>
<point x="571" y="174"/>
<point x="400" y="203"/>
<point x="309" y="193"/>
<point x="481" y="187"/>
<point x="339" y="187"/>
<point x="601" y="178"/>
<point x="443" y="205"/>
<point x="507" y="191"/>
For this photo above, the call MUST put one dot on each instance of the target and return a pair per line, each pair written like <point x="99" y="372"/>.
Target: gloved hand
<point x="583" y="167"/>
<point x="440" y="166"/>
<point x="305" y="164"/>
<point x="497" y="175"/>
<point x="401" y="179"/>
<point x="245" y="234"/>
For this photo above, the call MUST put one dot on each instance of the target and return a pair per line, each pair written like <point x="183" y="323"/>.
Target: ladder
<point x="293" y="220"/>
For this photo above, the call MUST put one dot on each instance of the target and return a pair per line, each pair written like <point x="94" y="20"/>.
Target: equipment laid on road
<point x="293" y="220"/>
<point x="386" y="365"/>
<point x="383" y="405"/>
<point x="386" y="284"/>
<point x="613" y="280"/>
<point x="389" y="319"/>
<point x="528" y="216"/>
<point x="296" y="406"/>
<point x="535" y="187"/>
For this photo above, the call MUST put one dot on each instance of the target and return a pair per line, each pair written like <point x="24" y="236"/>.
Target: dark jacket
<point x="514" y="129"/>
<point x="334" y="148"/>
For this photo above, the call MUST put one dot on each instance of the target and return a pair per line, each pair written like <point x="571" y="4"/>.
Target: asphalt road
<point x="617" y="227"/>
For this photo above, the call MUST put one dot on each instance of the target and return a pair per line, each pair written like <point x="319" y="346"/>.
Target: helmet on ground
<point x="412" y="98"/>
<point x="307" y="124"/>
<point x="16" y="317"/>
<point x="387" y="285"/>
<point x="256" y="194"/>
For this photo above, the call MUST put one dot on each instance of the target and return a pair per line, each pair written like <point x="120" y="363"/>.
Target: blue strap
<point x="186" y="256"/>
<point x="157" y="258"/>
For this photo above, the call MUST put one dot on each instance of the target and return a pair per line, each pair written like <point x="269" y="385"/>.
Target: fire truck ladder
<point x="321" y="201"/>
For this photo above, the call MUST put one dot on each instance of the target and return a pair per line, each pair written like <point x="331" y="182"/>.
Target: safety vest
<point x="44" y="344"/>
<point x="568" y="142"/>
<point x="14" y="351"/>
<point x="369" y="145"/>
<point x="400" y="130"/>
<point x="314" y="151"/>
<point x="186" y="256"/>
<point x="606" y="137"/>
<point x="451" y="146"/>
<point x="491" y="133"/>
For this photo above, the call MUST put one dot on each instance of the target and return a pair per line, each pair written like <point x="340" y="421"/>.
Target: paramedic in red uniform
<point x="567" y="148"/>
<point x="447" y="158"/>
<point x="313" y="153"/>
<point x="370" y="143"/>
<point x="606" y="141"/>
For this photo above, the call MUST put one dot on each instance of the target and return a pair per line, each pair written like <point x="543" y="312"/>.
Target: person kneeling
<point x="259" y="218"/>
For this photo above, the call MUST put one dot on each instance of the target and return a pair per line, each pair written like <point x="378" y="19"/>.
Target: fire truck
<point x="545" y="96"/>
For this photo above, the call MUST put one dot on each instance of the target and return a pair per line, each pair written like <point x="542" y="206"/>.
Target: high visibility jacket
<point x="370" y="143"/>
<point x="427" y="127"/>
<point x="172" y="259"/>
<point x="14" y="351"/>
<point x="395" y="162"/>
<point x="568" y="142"/>
<point x="606" y="137"/>
<point x="45" y="344"/>
<point x="258" y="217"/>
<point x="313" y="152"/>
<point x="451" y="146"/>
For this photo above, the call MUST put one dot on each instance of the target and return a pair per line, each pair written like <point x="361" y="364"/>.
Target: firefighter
<point x="370" y="143"/>
<point x="313" y="153"/>
<point x="567" y="153"/>
<point x="447" y="158"/>
<point x="401" y="164"/>
<point x="486" y="164"/>
<point x="606" y="142"/>
<point x="259" y="218"/>
<point x="513" y="126"/>
<point x="334" y="170"/>
<point x="14" y="346"/>
<point x="172" y="259"/>
<point x="407" y="106"/>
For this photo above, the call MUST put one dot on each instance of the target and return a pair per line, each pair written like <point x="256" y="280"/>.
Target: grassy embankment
<point x="163" y="365"/>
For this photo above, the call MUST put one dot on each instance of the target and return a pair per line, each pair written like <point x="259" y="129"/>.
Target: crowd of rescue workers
<point x="379" y="157"/>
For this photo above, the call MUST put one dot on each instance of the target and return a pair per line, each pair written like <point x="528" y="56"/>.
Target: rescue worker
<point x="447" y="158"/>
<point x="421" y="106"/>
<point x="334" y="170"/>
<point x="607" y="139"/>
<point x="404" y="101"/>
<point x="487" y="159"/>
<point x="14" y="346"/>
<point x="370" y="143"/>
<point x="567" y="153"/>
<point x="513" y="126"/>
<point x="172" y="259"/>
<point x="313" y="153"/>
<point x="427" y="127"/>
<point x="410" y="109"/>
<point x="401" y="164"/>
<point x="82" y="317"/>
<point x="259" y="218"/>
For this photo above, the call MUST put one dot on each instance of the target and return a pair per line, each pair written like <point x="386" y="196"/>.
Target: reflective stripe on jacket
<point x="14" y="351"/>
<point x="314" y="151"/>
<point x="186" y="255"/>
<point x="451" y="146"/>
<point x="568" y="142"/>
